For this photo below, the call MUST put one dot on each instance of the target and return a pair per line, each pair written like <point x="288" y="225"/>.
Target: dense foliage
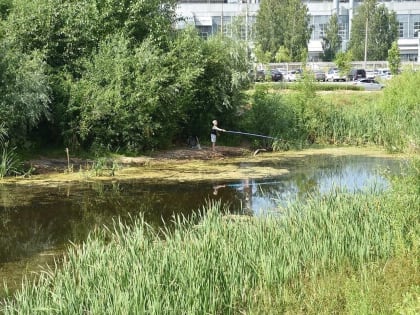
<point x="283" y="25"/>
<point x="24" y="90"/>
<point x="331" y="43"/>
<point x="110" y="74"/>
<point x="381" y="26"/>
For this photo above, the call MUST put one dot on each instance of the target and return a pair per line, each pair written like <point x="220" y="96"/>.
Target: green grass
<point x="353" y="98"/>
<point x="337" y="254"/>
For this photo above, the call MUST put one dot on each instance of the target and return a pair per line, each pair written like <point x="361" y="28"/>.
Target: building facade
<point x="211" y="16"/>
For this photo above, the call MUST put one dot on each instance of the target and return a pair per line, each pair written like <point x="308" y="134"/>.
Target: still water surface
<point x="35" y="222"/>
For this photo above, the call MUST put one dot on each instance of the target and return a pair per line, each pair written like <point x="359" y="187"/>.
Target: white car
<point x="334" y="75"/>
<point x="369" y="84"/>
<point x="384" y="74"/>
<point x="370" y="74"/>
<point x="292" y="75"/>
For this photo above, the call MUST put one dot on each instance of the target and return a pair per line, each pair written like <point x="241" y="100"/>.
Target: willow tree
<point x="24" y="91"/>
<point x="381" y="26"/>
<point x="70" y="32"/>
<point x="283" y="23"/>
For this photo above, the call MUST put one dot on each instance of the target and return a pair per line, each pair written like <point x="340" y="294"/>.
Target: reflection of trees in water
<point x="20" y="235"/>
<point x="306" y="185"/>
<point x="36" y="218"/>
<point x="156" y="203"/>
<point x="53" y="216"/>
<point x="22" y="239"/>
<point x="105" y="204"/>
<point x="60" y="215"/>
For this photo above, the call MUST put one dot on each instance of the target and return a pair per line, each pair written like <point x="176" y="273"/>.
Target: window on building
<point x="401" y="29"/>
<point x="244" y="32"/>
<point x="204" y="31"/>
<point x="342" y="31"/>
<point x="322" y="30"/>
<point x="416" y="29"/>
<point x="408" y="57"/>
<point x="226" y="29"/>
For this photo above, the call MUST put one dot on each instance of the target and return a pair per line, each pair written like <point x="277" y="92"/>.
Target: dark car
<point x="260" y="76"/>
<point x="276" y="75"/>
<point x="356" y="74"/>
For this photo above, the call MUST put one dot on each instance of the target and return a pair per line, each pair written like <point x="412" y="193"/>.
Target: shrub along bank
<point x="390" y="119"/>
<point x="336" y="254"/>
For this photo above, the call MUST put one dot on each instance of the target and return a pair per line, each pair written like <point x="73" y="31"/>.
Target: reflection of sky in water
<point x="353" y="179"/>
<point x="353" y="175"/>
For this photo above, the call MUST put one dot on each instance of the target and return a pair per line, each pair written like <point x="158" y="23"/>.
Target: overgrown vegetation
<point x="390" y="119"/>
<point x="341" y="253"/>
<point x="112" y="75"/>
<point x="105" y="76"/>
<point x="9" y="162"/>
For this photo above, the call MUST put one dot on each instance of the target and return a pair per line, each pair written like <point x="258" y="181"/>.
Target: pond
<point x="37" y="222"/>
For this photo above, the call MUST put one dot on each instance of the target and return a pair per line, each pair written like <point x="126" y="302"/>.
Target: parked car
<point x="276" y="75"/>
<point x="293" y="75"/>
<point x="334" y="75"/>
<point x="387" y="76"/>
<point x="260" y="75"/>
<point x="369" y="84"/>
<point x="371" y="74"/>
<point x="384" y="74"/>
<point x="320" y="75"/>
<point x="356" y="74"/>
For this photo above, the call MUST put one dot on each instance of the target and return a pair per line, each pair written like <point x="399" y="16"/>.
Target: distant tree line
<point x="111" y="74"/>
<point x="283" y="31"/>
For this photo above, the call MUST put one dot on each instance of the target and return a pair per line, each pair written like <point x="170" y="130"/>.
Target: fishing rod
<point x="250" y="134"/>
<point x="254" y="184"/>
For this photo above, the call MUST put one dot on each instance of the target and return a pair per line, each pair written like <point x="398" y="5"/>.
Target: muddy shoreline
<point x="181" y="164"/>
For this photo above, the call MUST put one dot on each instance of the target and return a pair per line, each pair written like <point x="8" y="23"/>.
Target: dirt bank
<point x="180" y="164"/>
<point x="43" y="165"/>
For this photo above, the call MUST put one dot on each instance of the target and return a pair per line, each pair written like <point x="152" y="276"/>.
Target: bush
<point x="400" y="109"/>
<point x="269" y="115"/>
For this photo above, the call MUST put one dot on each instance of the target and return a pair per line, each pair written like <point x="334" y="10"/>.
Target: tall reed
<point x="9" y="162"/>
<point x="390" y="119"/>
<point x="216" y="264"/>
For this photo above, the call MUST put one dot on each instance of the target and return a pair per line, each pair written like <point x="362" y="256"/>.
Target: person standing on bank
<point x="213" y="134"/>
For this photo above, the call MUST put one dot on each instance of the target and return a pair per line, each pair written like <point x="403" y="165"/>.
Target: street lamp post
<point x="221" y="22"/>
<point x="246" y="22"/>
<point x="366" y="38"/>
